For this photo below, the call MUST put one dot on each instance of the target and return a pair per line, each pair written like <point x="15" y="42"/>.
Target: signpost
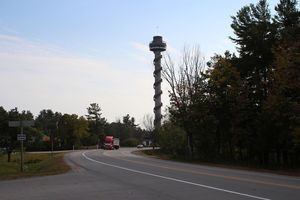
<point x="21" y="137"/>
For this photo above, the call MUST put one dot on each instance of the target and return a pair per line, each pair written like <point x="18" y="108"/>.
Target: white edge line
<point x="174" y="179"/>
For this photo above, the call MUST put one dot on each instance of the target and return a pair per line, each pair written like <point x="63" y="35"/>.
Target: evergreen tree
<point x="96" y="122"/>
<point x="255" y="37"/>
<point x="287" y="19"/>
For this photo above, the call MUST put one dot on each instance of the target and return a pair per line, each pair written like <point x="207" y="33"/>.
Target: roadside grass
<point x="34" y="165"/>
<point x="274" y="170"/>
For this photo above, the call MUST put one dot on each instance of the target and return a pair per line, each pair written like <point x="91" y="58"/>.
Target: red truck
<point x="111" y="143"/>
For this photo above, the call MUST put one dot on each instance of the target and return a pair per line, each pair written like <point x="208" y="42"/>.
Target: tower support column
<point x="157" y="46"/>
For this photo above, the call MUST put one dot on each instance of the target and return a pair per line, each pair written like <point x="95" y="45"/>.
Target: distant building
<point x="147" y="142"/>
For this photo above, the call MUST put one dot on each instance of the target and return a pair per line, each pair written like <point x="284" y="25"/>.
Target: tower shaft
<point x="157" y="46"/>
<point x="157" y="89"/>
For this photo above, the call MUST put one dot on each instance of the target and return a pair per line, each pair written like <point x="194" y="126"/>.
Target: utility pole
<point x="51" y="135"/>
<point x="22" y="149"/>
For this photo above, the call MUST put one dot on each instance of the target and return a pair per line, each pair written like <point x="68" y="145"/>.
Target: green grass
<point x="34" y="165"/>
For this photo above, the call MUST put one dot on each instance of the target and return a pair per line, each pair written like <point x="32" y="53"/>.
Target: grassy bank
<point x="34" y="165"/>
<point x="158" y="154"/>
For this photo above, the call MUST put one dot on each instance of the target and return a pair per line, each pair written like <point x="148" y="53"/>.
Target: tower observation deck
<point x="157" y="46"/>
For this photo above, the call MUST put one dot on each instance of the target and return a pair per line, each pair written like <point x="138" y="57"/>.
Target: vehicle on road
<point x="3" y="150"/>
<point x="140" y="146"/>
<point x="116" y="143"/>
<point x="111" y="143"/>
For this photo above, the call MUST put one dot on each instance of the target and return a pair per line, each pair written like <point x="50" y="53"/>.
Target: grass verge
<point x="34" y="165"/>
<point x="157" y="154"/>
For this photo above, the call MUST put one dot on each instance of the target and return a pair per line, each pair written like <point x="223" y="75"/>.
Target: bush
<point x="130" y="142"/>
<point x="172" y="140"/>
<point x="205" y="139"/>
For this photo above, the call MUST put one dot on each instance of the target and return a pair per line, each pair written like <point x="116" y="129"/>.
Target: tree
<point x="47" y="121"/>
<point x="148" y="122"/>
<point x="186" y="87"/>
<point x="282" y="108"/>
<point x="252" y="98"/>
<point x="130" y="129"/>
<point x="72" y="130"/>
<point x="130" y="142"/>
<point x="230" y="106"/>
<point x="148" y="133"/>
<point x="96" y="122"/>
<point x="94" y="112"/>
<point x="255" y="37"/>
<point x="172" y="140"/>
<point x="4" y="131"/>
<point x="129" y="121"/>
<point x="8" y="135"/>
<point x="81" y="128"/>
<point x="287" y="20"/>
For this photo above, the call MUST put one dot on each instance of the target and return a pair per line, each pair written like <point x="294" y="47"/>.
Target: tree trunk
<point x="285" y="158"/>
<point x="231" y="150"/>
<point x="8" y="155"/>
<point x="190" y="144"/>
<point x="278" y="157"/>
<point x="240" y="153"/>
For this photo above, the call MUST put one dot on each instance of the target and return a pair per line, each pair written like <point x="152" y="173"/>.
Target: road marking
<point x="205" y="173"/>
<point x="173" y="179"/>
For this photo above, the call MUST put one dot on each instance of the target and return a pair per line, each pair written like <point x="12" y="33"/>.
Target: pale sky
<point x="65" y="54"/>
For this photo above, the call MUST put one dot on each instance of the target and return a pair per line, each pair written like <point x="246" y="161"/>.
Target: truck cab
<point x="109" y="142"/>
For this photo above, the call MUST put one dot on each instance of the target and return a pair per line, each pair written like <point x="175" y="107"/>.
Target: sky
<point x="66" y="54"/>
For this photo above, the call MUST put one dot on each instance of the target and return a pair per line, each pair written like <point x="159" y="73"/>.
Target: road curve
<point x="120" y="174"/>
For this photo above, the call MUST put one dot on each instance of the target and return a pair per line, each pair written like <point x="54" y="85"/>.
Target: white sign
<point x="18" y="123"/>
<point x="21" y="137"/>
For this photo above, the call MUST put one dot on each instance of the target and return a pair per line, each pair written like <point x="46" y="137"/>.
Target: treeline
<point x="67" y="131"/>
<point x="243" y="108"/>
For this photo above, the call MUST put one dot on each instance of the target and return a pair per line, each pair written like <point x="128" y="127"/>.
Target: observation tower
<point x="157" y="46"/>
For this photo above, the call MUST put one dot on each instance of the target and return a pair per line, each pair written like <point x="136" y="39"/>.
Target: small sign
<point x="21" y="137"/>
<point x="14" y="123"/>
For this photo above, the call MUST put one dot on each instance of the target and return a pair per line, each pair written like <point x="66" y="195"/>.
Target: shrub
<point x="172" y="140"/>
<point x="130" y="142"/>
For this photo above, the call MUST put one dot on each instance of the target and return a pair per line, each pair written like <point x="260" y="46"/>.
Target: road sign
<point x="18" y="123"/>
<point x="47" y="139"/>
<point x="21" y="137"/>
<point x="14" y="123"/>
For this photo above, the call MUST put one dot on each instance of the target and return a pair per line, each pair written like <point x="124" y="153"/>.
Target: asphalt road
<point x="119" y="174"/>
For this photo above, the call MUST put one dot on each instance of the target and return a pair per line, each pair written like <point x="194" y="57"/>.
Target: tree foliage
<point x="186" y="89"/>
<point x="72" y="130"/>
<point x="172" y="140"/>
<point x="127" y="131"/>
<point x="245" y="107"/>
<point x="67" y="131"/>
<point x="8" y="135"/>
<point x="96" y="123"/>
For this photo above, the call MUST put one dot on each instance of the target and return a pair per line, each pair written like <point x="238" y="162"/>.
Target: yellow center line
<point x="204" y="173"/>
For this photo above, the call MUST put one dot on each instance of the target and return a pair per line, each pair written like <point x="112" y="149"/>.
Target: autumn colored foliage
<point x="243" y="107"/>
